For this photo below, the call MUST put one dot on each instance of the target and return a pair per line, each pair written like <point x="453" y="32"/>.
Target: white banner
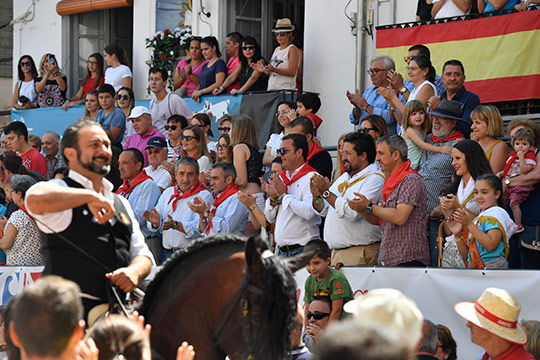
<point x="13" y="279"/>
<point x="436" y="291"/>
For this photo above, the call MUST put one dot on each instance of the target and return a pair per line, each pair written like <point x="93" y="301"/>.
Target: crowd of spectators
<point x="426" y="151"/>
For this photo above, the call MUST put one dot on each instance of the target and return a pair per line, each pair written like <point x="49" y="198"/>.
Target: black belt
<point x="288" y="248"/>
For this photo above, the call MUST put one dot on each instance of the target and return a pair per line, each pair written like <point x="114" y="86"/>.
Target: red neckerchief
<point x="23" y="208"/>
<point x="314" y="149"/>
<point x="393" y="181"/>
<point x="303" y="171"/>
<point x="126" y="188"/>
<point x="453" y="136"/>
<point x="176" y="195"/>
<point x="512" y="157"/>
<point x="317" y="121"/>
<point x="230" y="191"/>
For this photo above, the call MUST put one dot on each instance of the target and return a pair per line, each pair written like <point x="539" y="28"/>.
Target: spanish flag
<point x="501" y="54"/>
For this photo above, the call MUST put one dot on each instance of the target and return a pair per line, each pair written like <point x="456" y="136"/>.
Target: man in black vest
<point x="82" y="210"/>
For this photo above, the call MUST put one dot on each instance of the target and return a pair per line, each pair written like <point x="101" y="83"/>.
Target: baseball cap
<point x="138" y="111"/>
<point x="156" y="142"/>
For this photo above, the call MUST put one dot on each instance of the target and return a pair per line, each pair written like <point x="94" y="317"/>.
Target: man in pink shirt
<point x="17" y="140"/>
<point x="144" y="130"/>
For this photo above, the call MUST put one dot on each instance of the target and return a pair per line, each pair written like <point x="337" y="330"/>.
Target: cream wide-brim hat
<point x="496" y="311"/>
<point x="283" y="25"/>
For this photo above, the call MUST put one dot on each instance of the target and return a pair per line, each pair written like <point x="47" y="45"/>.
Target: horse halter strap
<point x="244" y="286"/>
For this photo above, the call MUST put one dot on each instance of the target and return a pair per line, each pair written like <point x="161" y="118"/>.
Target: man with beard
<point x="436" y="168"/>
<point x="353" y="240"/>
<point x="91" y="235"/>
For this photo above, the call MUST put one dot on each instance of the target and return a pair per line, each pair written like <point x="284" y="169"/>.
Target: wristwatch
<point x="325" y="194"/>
<point x="175" y="227"/>
<point x="252" y="208"/>
<point x="369" y="208"/>
<point x="507" y="181"/>
<point x="403" y="90"/>
<point x="206" y="214"/>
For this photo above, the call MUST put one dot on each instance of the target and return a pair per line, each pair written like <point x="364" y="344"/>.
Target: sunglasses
<point x="122" y="97"/>
<point x="172" y="127"/>
<point x="188" y="137"/>
<point x="249" y="47"/>
<point x="222" y="147"/>
<point x="366" y="130"/>
<point x="25" y="63"/>
<point x="283" y="151"/>
<point x="407" y="58"/>
<point x="375" y="71"/>
<point x="317" y="315"/>
<point x="90" y="62"/>
<point x="225" y="129"/>
<point x="281" y="33"/>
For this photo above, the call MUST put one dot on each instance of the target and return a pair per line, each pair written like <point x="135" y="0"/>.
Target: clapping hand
<point x="168" y="224"/>
<point x="277" y="183"/>
<point x="320" y="183"/>
<point x="247" y="199"/>
<point x="359" y="203"/>
<point x="395" y="79"/>
<point x="268" y="189"/>
<point x="198" y="205"/>
<point x="387" y="93"/>
<point x="152" y="217"/>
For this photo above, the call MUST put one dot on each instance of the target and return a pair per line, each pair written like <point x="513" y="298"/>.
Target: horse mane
<point x="278" y="308"/>
<point x="195" y="247"/>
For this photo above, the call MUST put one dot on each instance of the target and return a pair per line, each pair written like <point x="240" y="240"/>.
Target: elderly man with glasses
<point x="371" y="102"/>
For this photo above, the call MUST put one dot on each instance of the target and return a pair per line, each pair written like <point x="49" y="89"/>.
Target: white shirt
<point x="115" y="76"/>
<point x="449" y="9"/>
<point x="344" y="227"/>
<point x="296" y="220"/>
<point x="51" y="223"/>
<point x="416" y="90"/>
<point x="204" y="163"/>
<point x="274" y="142"/>
<point x="280" y="59"/>
<point x="172" y="104"/>
<point x="160" y="175"/>
<point x="231" y="217"/>
<point x="173" y="239"/>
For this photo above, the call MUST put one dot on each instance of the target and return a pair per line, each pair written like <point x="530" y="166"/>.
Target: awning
<point x="70" y="7"/>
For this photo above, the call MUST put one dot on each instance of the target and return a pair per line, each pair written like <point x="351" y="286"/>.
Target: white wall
<point x="215" y="24"/>
<point x="40" y="32"/>
<point x="329" y="64"/>
<point x="144" y="26"/>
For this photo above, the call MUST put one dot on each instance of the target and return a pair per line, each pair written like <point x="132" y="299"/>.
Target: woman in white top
<point x="469" y="162"/>
<point x="450" y="8"/>
<point x="118" y="74"/>
<point x="194" y="145"/>
<point x="25" y="89"/>
<point x="283" y="66"/>
<point x="422" y="75"/>
<point x="283" y="125"/>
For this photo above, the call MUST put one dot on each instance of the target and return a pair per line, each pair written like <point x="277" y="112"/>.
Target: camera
<point x="52" y="60"/>
<point x="23" y="99"/>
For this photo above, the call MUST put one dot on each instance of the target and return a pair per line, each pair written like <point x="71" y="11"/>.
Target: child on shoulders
<point x="520" y="161"/>
<point x="325" y="281"/>
<point x="416" y="126"/>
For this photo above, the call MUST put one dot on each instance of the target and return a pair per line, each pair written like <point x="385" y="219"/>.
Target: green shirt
<point x="335" y="285"/>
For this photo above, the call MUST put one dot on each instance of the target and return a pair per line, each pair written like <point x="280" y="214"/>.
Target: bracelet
<point x="459" y="239"/>
<point x="56" y="73"/>
<point x="275" y="202"/>
<point x="181" y="78"/>
<point x="318" y="200"/>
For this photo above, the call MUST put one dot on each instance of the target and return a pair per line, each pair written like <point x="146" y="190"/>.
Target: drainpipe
<point x="360" y="46"/>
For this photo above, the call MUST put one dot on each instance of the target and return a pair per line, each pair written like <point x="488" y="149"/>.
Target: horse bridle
<point x="241" y="296"/>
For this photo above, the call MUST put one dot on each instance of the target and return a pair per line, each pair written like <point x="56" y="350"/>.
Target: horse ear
<point x="253" y="257"/>
<point x="300" y="261"/>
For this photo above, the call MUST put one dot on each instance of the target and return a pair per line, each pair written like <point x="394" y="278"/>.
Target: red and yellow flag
<point x="501" y="54"/>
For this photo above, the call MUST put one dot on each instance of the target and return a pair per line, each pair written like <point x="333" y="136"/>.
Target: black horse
<point x="227" y="297"/>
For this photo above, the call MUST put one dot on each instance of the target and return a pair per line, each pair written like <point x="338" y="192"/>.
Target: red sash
<point x="23" y="208"/>
<point x="230" y="191"/>
<point x="314" y="149"/>
<point x="305" y="169"/>
<point x="453" y="136"/>
<point x="126" y="188"/>
<point x="317" y="121"/>
<point x="512" y="157"/>
<point x="176" y="195"/>
<point x="393" y="180"/>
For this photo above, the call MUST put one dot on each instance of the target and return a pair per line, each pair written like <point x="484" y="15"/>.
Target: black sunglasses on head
<point x="317" y="315"/>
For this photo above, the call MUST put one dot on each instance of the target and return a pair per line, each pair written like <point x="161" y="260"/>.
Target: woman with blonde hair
<point x="339" y="159"/>
<point x="51" y="85"/>
<point x="487" y="127"/>
<point x="91" y="106"/>
<point x="246" y="157"/>
<point x="194" y="145"/>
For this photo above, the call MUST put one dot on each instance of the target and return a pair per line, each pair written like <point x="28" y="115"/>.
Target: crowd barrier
<point x="435" y="291"/>
<point x="496" y="51"/>
<point x="260" y="106"/>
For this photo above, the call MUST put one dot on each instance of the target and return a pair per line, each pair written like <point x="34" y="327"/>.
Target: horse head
<point x="269" y="307"/>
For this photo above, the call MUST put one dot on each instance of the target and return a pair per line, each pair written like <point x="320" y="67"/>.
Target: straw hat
<point x="283" y="25"/>
<point x="390" y="309"/>
<point x="496" y="311"/>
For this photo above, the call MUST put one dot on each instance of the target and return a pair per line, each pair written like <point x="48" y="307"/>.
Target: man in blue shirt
<point x="453" y="79"/>
<point x="141" y="192"/>
<point x="371" y="102"/>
